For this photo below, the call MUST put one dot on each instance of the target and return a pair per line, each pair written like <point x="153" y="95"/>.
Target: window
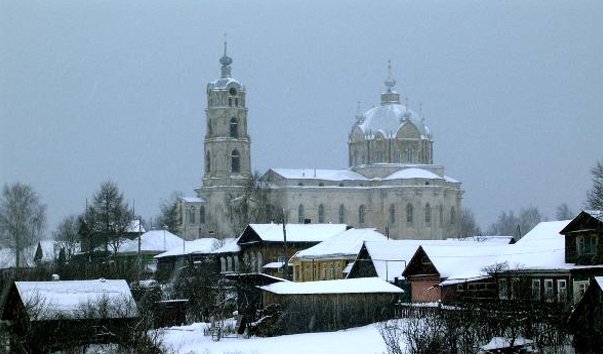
<point x="236" y="102"/>
<point x="579" y="289"/>
<point x="297" y="274"/>
<point x="202" y="214"/>
<point x="207" y="162"/>
<point x="232" y="91"/>
<point x="253" y="262"/>
<point x="229" y="101"/>
<point x="234" y="128"/>
<point x="587" y="244"/>
<point x="503" y="289"/>
<point x="536" y="289"/>
<point x="409" y="213"/>
<point x="341" y="214"/>
<point x="515" y="290"/>
<point x="379" y="156"/>
<point x="561" y="290"/>
<point x="452" y="216"/>
<point x="236" y="263"/>
<point x="235" y="161"/>
<point x="361" y="213"/>
<point x="229" y="264"/>
<point x="321" y="214"/>
<point x="441" y="210"/>
<point x="300" y="214"/>
<point x="549" y="292"/>
<point x="260" y="261"/>
<point x="427" y="214"/>
<point x="222" y="264"/>
<point x="392" y="214"/>
<point x="409" y="154"/>
<point x="191" y="215"/>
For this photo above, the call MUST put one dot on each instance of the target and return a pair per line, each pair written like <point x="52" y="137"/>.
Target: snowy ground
<point x="190" y="340"/>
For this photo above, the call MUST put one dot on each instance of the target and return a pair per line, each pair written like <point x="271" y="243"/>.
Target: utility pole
<point x="285" y="261"/>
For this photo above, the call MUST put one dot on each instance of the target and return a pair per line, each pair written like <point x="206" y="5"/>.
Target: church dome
<point x="388" y="118"/>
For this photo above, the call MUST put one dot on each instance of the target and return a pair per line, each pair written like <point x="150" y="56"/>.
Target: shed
<point x="62" y="314"/>
<point x="331" y="304"/>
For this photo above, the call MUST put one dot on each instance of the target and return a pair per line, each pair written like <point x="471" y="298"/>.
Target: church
<point x="391" y="183"/>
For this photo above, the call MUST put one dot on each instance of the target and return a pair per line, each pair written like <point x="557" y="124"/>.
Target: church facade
<point x="391" y="183"/>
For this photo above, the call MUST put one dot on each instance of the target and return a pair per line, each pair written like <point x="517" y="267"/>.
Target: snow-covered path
<point x="190" y="340"/>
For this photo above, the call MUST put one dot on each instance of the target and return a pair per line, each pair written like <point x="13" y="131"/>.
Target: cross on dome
<point x="225" y="61"/>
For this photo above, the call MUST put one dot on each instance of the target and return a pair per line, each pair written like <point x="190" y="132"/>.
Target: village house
<point x="54" y="315"/>
<point x="586" y="321"/>
<point x="331" y="305"/>
<point x="186" y="254"/>
<point x="144" y="248"/>
<point x="262" y="244"/>
<point x="329" y="259"/>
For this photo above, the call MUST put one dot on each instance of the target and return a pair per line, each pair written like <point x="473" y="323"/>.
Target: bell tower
<point x="227" y="144"/>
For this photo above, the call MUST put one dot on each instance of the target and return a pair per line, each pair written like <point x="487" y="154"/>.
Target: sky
<point x="113" y="90"/>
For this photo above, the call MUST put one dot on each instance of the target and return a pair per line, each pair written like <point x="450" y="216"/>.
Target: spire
<point x="390" y="96"/>
<point x="390" y="82"/>
<point x="225" y="61"/>
<point x="359" y="115"/>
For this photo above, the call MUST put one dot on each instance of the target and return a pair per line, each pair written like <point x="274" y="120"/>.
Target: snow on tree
<point x="22" y="218"/>
<point x="594" y="197"/>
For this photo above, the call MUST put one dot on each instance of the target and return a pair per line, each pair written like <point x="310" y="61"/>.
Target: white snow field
<point x="190" y="340"/>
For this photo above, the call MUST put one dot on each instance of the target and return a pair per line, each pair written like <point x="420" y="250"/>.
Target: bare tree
<point x="109" y="216"/>
<point x="168" y="215"/>
<point x="22" y="218"/>
<point x="67" y="234"/>
<point x="563" y="212"/>
<point x="468" y="226"/>
<point x="594" y="197"/>
<point x="508" y="224"/>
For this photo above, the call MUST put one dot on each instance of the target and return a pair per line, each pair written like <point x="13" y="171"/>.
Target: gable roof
<point x="230" y="245"/>
<point x="585" y="221"/>
<point x="199" y="246"/>
<point x="343" y="244"/>
<point x="295" y="232"/>
<point x="154" y="241"/>
<point x="340" y="286"/>
<point x="47" y="300"/>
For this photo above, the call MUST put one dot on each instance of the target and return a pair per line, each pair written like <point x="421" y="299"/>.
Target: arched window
<point x="234" y="128"/>
<point x="321" y="213"/>
<point x="409" y="154"/>
<point x="452" y="216"/>
<point x="229" y="264"/>
<point x="207" y="162"/>
<point x="300" y="214"/>
<point x="361" y="212"/>
<point x="235" y="161"/>
<point x="341" y="214"/>
<point x="230" y="101"/>
<point x="191" y="215"/>
<point x="222" y="264"/>
<point x="236" y="263"/>
<point x="409" y="213"/>
<point x="427" y="214"/>
<point x="236" y="102"/>
<point x="202" y="214"/>
<point x="392" y="214"/>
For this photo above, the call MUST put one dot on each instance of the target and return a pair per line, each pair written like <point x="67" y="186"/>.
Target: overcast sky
<point x="94" y="90"/>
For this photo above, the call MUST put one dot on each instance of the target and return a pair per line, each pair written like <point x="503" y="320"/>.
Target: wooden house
<point x="265" y="243"/>
<point x="583" y="243"/>
<point x="331" y="304"/>
<point x="328" y="259"/>
<point x="586" y="321"/>
<point x="187" y="254"/>
<point x="53" y="315"/>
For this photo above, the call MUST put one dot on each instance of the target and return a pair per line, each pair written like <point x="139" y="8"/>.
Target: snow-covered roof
<point x="341" y="286"/>
<point x="202" y="245"/>
<point x="597" y="214"/>
<point x="389" y="118"/>
<point x="503" y="342"/>
<point x="413" y="172"/>
<point x="151" y="242"/>
<point x="224" y="83"/>
<point x="230" y="246"/>
<point x="599" y="281"/>
<point x="297" y="232"/>
<point x="322" y="174"/>
<point x="135" y="226"/>
<point x="540" y="249"/>
<point x="71" y="298"/>
<point x="193" y="199"/>
<point x="274" y="265"/>
<point x="343" y="244"/>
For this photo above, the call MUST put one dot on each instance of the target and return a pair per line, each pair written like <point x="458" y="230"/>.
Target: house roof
<point x="343" y="244"/>
<point x="154" y="241"/>
<point x="47" y="300"/>
<point x="540" y="249"/>
<point x="341" y="286"/>
<point x="201" y="245"/>
<point x="135" y="226"/>
<point x="586" y="220"/>
<point x="230" y="246"/>
<point x="295" y="232"/>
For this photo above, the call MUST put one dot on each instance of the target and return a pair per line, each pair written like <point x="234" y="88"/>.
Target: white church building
<point x="391" y="183"/>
